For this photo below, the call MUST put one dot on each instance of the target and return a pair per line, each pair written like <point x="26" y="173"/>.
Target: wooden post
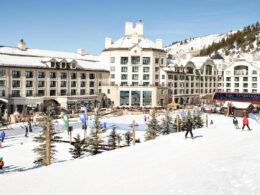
<point x="133" y="132"/>
<point x="177" y="123"/>
<point x="48" y="144"/>
<point x="207" y="120"/>
<point x="70" y="133"/>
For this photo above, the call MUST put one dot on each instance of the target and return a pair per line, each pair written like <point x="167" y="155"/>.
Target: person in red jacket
<point x="245" y="123"/>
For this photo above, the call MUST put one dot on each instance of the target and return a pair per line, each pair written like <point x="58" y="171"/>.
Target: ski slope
<point x="220" y="160"/>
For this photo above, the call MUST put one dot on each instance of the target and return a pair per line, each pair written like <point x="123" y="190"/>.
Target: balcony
<point x="241" y="72"/>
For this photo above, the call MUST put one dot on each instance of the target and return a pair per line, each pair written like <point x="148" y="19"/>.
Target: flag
<point x="252" y="116"/>
<point x="66" y="121"/>
<point x="84" y="116"/>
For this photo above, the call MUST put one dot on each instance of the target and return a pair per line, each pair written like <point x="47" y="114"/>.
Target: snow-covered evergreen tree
<point x="40" y="150"/>
<point x="197" y="120"/>
<point x="78" y="147"/>
<point x="168" y="126"/>
<point x="112" y="139"/>
<point x="153" y="127"/>
<point x="95" y="139"/>
<point x="128" y="137"/>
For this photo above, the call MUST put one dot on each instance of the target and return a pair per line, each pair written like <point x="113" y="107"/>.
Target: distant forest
<point x="243" y="40"/>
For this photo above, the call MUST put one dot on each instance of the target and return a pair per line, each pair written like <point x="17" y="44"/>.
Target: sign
<point x="253" y="98"/>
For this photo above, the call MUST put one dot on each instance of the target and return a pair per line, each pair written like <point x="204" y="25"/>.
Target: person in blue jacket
<point x="2" y="136"/>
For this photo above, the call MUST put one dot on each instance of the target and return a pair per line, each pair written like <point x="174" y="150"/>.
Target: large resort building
<point x="131" y="72"/>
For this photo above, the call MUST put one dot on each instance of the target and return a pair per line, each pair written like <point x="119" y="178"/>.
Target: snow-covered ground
<point x="220" y="160"/>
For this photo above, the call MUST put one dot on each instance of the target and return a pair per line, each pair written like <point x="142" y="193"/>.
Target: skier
<point x="235" y="122"/>
<point x="2" y="136"/>
<point x="211" y="122"/>
<point x="26" y="131"/>
<point x="189" y="129"/>
<point x="1" y="163"/>
<point x="30" y="125"/>
<point x="245" y="123"/>
<point x="145" y="118"/>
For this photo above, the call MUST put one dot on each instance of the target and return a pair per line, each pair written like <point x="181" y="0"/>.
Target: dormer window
<point x="73" y="65"/>
<point x="52" y="64"/>
<point x="68" y="65"/>
<point x="63" y="65"/>
<point x="57" y="65"/>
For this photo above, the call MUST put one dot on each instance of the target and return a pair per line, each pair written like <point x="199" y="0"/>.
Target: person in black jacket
<point x="189" y="128"/>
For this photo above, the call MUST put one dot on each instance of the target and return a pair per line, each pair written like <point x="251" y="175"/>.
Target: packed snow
<point x="220" y="160"/>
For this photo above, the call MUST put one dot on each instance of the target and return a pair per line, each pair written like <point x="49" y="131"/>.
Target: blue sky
<point x="66" y="25"/>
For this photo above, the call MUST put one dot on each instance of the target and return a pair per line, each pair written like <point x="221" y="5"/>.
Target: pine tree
<point x="128" y="137"/>
<point x="95" y="139"/>
<point x="153" y="127"/>
<point x="197" y="120"/>
<point x="40" y="150"/>
<point x="112" y="139"/>
<point x="79" y="148"/>
<point x="167" y="125"/>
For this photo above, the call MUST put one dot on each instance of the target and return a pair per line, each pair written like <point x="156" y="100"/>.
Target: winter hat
<point x="1" y="158"/>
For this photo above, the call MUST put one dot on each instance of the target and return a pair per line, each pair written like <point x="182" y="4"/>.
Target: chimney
<point x="159" y="43"/>
<point x="129" y="28"/>
<point x="22" y="45"/>
<point x="139" y="28"/>
<point x="81" y="51"/>
<point x="108" y="42"/>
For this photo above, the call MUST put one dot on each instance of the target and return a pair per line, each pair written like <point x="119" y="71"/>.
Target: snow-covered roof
<point x="13" y="56"/>
<point x="242" y="105"/>
<point x="130" y="41"/>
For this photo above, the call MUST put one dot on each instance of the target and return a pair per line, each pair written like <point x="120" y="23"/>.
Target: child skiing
<point x="245" y="123"/>
<point x="235" y="122"/>
<point x="211" y="122"/>
<point x="1" y="163"/>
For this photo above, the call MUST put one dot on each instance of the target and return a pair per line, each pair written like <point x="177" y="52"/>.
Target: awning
<point x="4" y="100"/>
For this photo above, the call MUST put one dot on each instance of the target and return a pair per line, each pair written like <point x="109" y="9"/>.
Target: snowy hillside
<point x="194" y="45"/>
<point x="220" y="160"/>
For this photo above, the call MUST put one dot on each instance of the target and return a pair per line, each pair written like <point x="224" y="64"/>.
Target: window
<point x="254" y="85"/>
<point x="112" y="68"/>
<point x="146" y="61"/>
<point x="53" y="83"/>
<point x="146" y="77"/>
<point x="91" y="76"/>
<point x="254" y="72"/>
<point x="236" y="90"/>
<point x="156" y="76"/>
<point x="170" y="77"/>
<point x="156" y="60"/>
<point x="124" y="69"/>
<point x="73" y="84"/>
<point x="73" y="75"/>
<point x="135" y="60"/>
<point x="52" y="92"/>
<point x="63" y="65"/>
<point x="245" y="79"/>
<point x="2" y="93"/>
<point x="156" y="83"/>
<point x="29" y="83"/>
<point x="82" y="75"/>
<point x="147" y="98"/>
<point x="135" y="98"/>
<point x="99" y="83"/>
<point x="16" y="74"/>
<point x="112" y="76"/>
<point x="108" y="91"/>
<point x="254" y="90"/>
<point x="123" y="76"/>
<point x="63" y="83"/>
<point x="135" y="69"/>
<point x="146" y="69"/>
<point x="41" y="75"/>
<point x="73" y="65"/>
<point x="245" y="84"/>
<point x="162" y="92"/>
<point x="135" y="76"/>
<point x="41" y="93"/>
<point x="52" y="75"/>
<point x="163" y="76"/>
<point x="236" y="78"/>
<point x="112" y="59"/>
<point x="2" y="73"/>
<point x="254" y="79"/>
<point x="124" y="60"/>
<point x="57" y="65"/>
<point x="73" y="92"/>
<point x="2" y="83"/>
<point x="16" y="93"/>
<point x="82" y="84"/>
<point x="16" y="84"/>
<point x="29" y="74"/>
<point x="63" y="75"/>
<point x="228" y="84"/>
<point x="82" y="92"/>
<point x="134" y="83"/>
<point x="63" y="92"/>
<point x="146" y="83"/>
<point x="29" y="93"/>
<point x="112" y="83"/>
<point x="236" y="84"/>
<point x="156" y="69"/>
<point x="228" y="78"/>
<point x="91" y="92"/>
<point x="91" y="84"/>
<point x="100" y="75"/>
<point x="52" y="64"/>
<point x="245" y="90"/>
<point x="124" y="98"/>
<point x="123" y="83"/>
<point x="162" y="61"/>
